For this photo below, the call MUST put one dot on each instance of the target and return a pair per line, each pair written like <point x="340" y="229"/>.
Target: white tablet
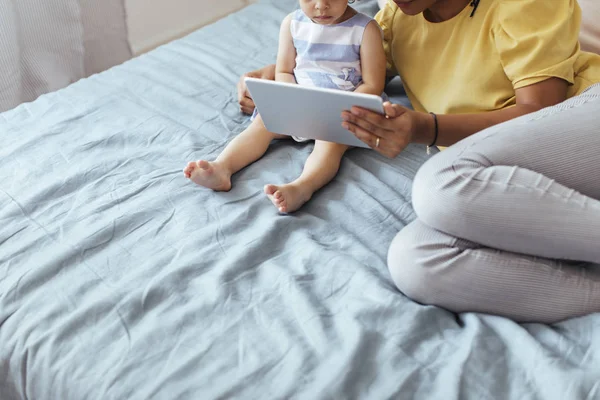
<point x="309" y="112"/>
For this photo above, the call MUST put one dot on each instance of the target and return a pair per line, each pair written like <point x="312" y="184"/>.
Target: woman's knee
<point x="409" y="257"/>
<point x="434" y="196"/>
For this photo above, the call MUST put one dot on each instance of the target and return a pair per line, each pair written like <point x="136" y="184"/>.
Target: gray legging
<point x="509" y="219"/>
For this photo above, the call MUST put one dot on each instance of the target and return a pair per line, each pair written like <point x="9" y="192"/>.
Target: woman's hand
<point x="388" y="134"/>
<point x="244" y="99"/>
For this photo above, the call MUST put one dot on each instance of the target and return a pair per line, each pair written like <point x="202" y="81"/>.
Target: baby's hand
<point x="244" y="98"/>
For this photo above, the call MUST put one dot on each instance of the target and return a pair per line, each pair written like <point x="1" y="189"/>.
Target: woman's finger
<point x="363" y="135"/>
<point x="369" y="115"/>
<point x="374" y="128"/>
<point x="394" y="110"/>
<point x="371" y="121"/>
<point x="390" y="110"/>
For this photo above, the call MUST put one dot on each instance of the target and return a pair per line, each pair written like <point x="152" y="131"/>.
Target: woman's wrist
<point x="424" y="132"/>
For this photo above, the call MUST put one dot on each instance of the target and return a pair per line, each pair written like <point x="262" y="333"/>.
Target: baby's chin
<point x="324" y="20"/>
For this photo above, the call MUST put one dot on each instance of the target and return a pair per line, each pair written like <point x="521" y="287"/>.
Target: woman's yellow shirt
<point x="474" y="64"/>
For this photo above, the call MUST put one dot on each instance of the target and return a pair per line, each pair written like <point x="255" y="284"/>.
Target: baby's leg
<point x="321" y="167"/>
<point x="243" y="150"/>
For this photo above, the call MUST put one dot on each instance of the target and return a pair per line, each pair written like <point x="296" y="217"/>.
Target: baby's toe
<point x="270" y="189"/>
<point x="187" y="171"/>
<point x="203" y="164"/>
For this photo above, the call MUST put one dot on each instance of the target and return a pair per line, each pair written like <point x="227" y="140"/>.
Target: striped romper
<point x="327" y="56"/>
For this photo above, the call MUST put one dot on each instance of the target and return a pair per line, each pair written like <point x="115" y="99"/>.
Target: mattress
<point x="120" y="279"/>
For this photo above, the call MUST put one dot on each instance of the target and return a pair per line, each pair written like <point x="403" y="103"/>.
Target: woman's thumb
<point x="393" y="110"/>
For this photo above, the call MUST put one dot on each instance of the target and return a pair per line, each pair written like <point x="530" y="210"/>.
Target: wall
<point x="155" y="22"/>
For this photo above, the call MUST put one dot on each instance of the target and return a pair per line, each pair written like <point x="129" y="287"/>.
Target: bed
<point x="119" y="279"/>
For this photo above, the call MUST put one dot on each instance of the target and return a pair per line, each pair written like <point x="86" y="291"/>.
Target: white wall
<point x="154" y="22"/>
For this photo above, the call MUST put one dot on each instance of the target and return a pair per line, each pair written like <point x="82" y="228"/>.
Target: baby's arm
<point x="372" y="61"/>
<point x="286" y="54"/>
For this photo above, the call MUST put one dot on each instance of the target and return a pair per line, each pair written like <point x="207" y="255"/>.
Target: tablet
<point x="309" y="112"/>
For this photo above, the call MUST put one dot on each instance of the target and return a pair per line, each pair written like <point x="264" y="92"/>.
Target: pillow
<point x="105" y="37"/>
<point x="10" y="86"/>
<point x="47" y="45"/>
<point x="43" y="45"/>
<point x="590" y="29"/>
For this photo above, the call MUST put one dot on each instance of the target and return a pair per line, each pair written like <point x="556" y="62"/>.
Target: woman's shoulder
<point x="386" y="14"/>
<point x="534" y="23"/>
<point x="534" y="14"/>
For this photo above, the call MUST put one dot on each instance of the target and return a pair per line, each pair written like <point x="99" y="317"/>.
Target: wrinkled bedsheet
<point x="119" y="279"/>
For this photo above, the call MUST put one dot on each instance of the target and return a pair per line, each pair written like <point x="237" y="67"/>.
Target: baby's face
<point x="324" y="12"/>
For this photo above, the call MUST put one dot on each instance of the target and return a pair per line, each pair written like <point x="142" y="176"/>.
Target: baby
<point x="326" y="43"/>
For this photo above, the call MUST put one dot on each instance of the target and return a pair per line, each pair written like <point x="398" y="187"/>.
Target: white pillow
<point x="46" y="45"/>
<point x="10" y="79"/>
<point x="105" y="38"/>
<point x="45" y="48"/>
<point x="590" y="28"/>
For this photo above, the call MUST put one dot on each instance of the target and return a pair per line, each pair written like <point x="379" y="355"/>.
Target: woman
<point x="508" y="217"/>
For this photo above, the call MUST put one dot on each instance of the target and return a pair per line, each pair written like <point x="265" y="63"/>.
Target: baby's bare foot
<point x="208" y="174"/>
<point x="288" y="198"/>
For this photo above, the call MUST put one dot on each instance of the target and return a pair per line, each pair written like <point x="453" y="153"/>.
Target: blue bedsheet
<point x="119" y="279"/>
